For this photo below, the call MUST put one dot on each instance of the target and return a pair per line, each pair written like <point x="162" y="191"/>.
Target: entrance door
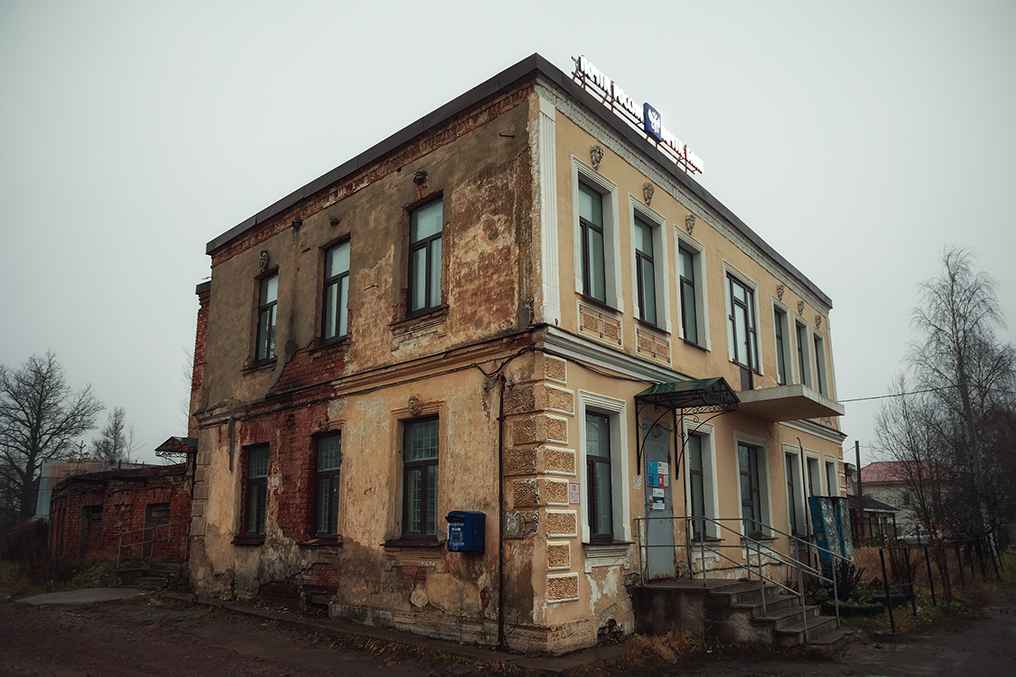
<point x="660" y="552"/>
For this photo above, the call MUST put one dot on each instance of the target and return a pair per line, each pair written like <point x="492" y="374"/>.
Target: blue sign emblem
<point x="652" y="121"/>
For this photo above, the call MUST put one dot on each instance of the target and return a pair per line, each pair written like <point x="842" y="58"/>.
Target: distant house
<point x="148" y="506"/>
<point x="896" y="485"/>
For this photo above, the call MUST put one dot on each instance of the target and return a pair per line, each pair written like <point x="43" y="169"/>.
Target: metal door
<point x="660" y="553"/>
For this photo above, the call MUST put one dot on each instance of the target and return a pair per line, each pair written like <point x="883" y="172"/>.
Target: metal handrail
<point x="772" y="556"/>
<point x="154" y="529"/>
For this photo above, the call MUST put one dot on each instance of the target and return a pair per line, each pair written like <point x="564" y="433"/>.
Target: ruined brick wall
<point x="204" y="292"/>
<point x="90" y="512"/>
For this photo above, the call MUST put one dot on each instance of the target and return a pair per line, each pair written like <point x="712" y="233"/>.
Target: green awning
<point x="704" y="395"/>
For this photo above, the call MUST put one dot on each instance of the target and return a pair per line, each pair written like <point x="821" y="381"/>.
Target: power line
<point x="919" y="392"/>
<point x="913" y="392"/>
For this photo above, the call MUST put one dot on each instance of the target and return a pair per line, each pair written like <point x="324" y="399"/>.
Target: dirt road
<point x="172" y="639"/>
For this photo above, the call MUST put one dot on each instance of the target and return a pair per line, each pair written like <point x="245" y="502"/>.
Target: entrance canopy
<point x="701" y="396"/>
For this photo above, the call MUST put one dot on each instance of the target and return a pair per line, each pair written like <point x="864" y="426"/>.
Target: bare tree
<point x="961" y="421"/>
<point x="39" y="418"/>
<point x="116" y="442"/>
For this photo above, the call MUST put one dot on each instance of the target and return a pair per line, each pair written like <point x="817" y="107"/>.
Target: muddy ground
<point x="171" y="639"/>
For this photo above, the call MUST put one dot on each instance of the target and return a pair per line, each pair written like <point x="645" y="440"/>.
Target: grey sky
<point x="857" y="138"/>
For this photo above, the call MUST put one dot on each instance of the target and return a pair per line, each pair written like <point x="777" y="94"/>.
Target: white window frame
<point x="701" y="288"/>
<point x="765" y="496"/>
<point x="611" y="232"/>
<point x="788" y="342"/>
<point x="617" y="412"/>
<point x="822" y="372"/>
<point x="728" y="270"/>
<point x="709" y="476"/>
<point x="800" y="491"/>
<point x="802" y="370"/>
<point x="660" y="258"/>
<point x="832" y="474"/>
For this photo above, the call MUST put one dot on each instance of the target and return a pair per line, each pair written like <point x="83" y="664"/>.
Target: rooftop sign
<point x="645" y="118"/>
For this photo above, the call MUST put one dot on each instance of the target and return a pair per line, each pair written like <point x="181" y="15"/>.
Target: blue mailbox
<point x="465" y="531"/>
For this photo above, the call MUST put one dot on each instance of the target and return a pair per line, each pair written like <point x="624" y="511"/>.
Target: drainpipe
<point x="500" y="511"/>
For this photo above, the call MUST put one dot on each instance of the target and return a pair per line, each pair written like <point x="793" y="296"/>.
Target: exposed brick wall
<point x="198" y="374"/>
<point x="290" y="434"/>
<point x="123" y="497"/>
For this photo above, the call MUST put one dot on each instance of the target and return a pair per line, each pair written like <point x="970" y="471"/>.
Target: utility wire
<point x="918" y="392"/>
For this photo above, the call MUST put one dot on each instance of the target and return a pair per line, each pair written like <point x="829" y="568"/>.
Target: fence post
<point x="931" y="579"/>
<point x="885" y="582"/>
<point x="910" y="580"/>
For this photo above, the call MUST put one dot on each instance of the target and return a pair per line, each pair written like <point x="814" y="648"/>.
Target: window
<point x="696" y="477"/>
<point x="336" y="292"/>
<point x="598" y="472"/>
<point x="689" y="312"/>
<point x="832" y="479"/>
<point x="742" y="328"/>
<point x="814" y="483"/>
<point x="421" y="442"/>
<point x="645" y="272"/>
<point x="751" y="489"/>
<point x="691" y="276"/>
<point x="257" y="490"/>
<point x="795" y="512"/>
<point x="780" y="323"/>
<point x="821" y="384"/>
<point x="801" y="334"/>
<point x="267" y="300"/>
<point x="425" y="229"/>
<point x="594" y="271"/>
<point x="326" y="509"/>
<point x="605" y="513"/>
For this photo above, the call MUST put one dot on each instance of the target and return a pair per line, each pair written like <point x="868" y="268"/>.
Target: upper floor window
<point x="326" y="508"/>
<point x="645" y="267"/>
<point x="780" y="323"/>
<point x="425" y="229"/>
<point x="801" y="337"/>
<point x="821" y="384"/>
<point x="742" y="325"/>
<point x="421" y="441"/>
<point x="689" y="311"/>
<point x="336" y="292"/>
<point x="594" y="272"/>
<point x="267" y="300"/>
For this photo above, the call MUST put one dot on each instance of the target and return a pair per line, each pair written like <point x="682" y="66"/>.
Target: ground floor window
<point x="598" y="471"/>
<point x="751" y="494"/>
<point x="326" y="510"/>
<point x="421" y="442"/>
<point x="257" y="490"/>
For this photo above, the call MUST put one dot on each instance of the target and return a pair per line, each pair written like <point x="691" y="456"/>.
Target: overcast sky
<point x="858" y="139"/>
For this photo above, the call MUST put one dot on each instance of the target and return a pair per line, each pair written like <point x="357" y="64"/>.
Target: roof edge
<point x="531" y="64"/>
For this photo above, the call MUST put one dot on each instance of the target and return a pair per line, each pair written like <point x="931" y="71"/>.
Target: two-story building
<point x="518" y="306"/>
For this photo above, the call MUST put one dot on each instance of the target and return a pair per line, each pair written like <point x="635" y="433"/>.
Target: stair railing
<point x="145" y="541"/>
<point x="771" y="556"/>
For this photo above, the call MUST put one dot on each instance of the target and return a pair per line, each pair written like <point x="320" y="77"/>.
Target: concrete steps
<point x="733" y="611"/>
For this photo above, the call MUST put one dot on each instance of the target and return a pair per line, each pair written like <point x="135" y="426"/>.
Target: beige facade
<point x="489" y="363"/>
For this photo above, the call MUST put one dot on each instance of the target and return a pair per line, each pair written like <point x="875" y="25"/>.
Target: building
<point x="507" y="311"/>
<point x="141" y="511"/>
<point x="915" y="490"/>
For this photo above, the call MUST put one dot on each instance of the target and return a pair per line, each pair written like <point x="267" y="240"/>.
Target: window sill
<point x="707" y="540"/>
<point x="600" y="305"/>
<point x="606" y="554"/>
<point x="324" y="344"/>
<point x="694" y="345"/>
<point x="420" y="543"/>
<point x="248" y="540"/>
<point x="649" y="326"/>
<point x="263" y="365"/>
<point x="331" y="541"/>
<point x="420" y="318"/>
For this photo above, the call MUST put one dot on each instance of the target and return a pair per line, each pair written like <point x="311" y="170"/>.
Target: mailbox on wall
<point x="465" y="531"/>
